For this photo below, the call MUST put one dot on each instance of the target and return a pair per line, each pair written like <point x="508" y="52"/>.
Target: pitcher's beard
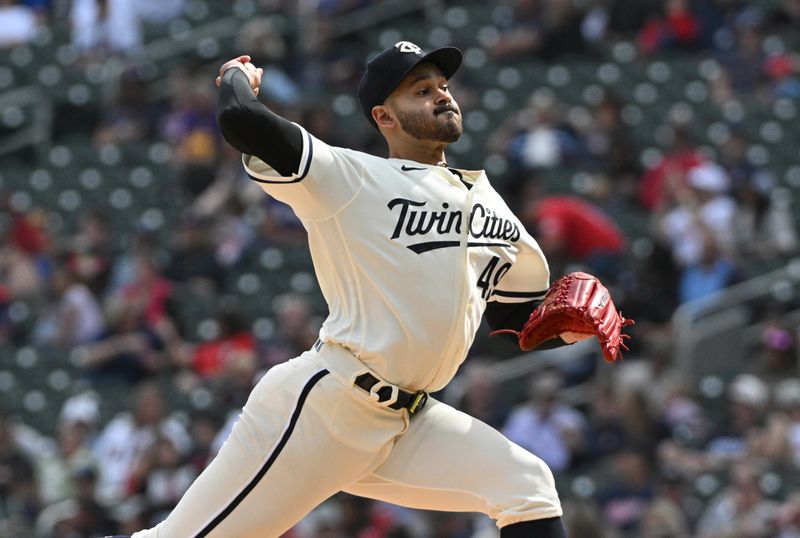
<point x="424" y="126"/>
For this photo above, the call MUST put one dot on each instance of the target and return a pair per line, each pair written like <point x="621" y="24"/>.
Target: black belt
<point x="383" y="393"/>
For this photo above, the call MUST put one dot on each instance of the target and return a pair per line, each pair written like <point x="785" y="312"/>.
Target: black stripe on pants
<point x="263" y="471"/>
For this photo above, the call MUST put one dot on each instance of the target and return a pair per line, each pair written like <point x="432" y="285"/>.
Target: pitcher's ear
<point x="383" y="116"/>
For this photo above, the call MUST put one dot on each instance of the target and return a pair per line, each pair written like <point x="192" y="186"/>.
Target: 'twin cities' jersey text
<point x="423" y="222"/>
<point x="406" y="255"/>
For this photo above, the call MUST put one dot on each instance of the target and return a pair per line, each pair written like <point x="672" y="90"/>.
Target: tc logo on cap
<point x="407" y="46"/>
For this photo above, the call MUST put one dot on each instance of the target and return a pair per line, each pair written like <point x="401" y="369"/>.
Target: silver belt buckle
<point x="373" y="393"/>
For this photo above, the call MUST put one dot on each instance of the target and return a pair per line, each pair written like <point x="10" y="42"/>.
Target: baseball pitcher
<point x="410" y="253"/>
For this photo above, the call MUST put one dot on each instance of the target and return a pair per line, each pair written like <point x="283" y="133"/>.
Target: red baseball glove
<point x="575" y="303"/>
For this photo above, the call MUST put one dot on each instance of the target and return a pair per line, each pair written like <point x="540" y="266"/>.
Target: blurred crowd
<point x="642" y="451"/>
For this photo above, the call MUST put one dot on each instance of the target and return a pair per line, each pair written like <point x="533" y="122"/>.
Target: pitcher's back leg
<point x="450" y="461"/>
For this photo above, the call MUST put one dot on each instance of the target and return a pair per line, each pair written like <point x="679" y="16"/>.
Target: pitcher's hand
<point x="253" y="73"/>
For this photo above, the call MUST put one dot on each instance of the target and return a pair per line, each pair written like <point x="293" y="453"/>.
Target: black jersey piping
<point x="520" y="294"/>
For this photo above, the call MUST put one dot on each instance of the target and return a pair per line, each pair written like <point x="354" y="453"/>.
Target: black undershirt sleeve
<point x="252" y="128"/>
<point x="513" y="316"/>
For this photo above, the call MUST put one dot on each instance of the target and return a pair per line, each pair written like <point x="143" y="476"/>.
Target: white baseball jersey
<point x="406" y="256"/>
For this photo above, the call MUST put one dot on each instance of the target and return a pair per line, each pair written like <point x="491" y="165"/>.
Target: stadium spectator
<point x="740" y="169"/>
<point x="480" y="397"/>
<point x="782" y="71"/>
<point x="190" y="128"/>
<point x="127" y="439"/>
<point x="666" y="514"/>
<point x="545" y="139"/>
<point x="232" y="234"/>
<point x="628" y="490"/>
<point x="129" y="350"/>
<point x="57" y="470"/>
<point x="26" y="250"/>
<point x="229" y="203"/>
<point x="712" y="272"/>
<point x="160" y="12"/>
<point x="241" y="373"/>
<point x="610" y="144"/>
<point x="73" y="315"/>
<point x="149" y="293"/>
<point x="102" y="27"/>
<point x="763" y="227"/>
<point x="546" y="426"/>
<point x="660" y="183"/>
<point x="296" y="329"/>
<point x="675" y="27"/>
<point x="741" y="508"/>
<point x="193" y="260"/>
<point x="18" y="23"/>
<point x="704" y="213"/>
<point x="124" y="266"/>
<point x="215" y="357"/>
<point x="18" y="270"/>
<point x="131" y="116"/>
<point x="573" y="230"/>
<point x="149" y="303"/>
<point x="743" y="60"/>
<point x="747" y="401"/>
<point x="547" y="29"/>
<point x="163" y="476"/>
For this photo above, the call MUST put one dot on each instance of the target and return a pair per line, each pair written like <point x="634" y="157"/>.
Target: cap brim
<point x="448" y="59"/>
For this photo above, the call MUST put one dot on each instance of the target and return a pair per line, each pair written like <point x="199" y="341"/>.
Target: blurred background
<point x="146" y="284"/>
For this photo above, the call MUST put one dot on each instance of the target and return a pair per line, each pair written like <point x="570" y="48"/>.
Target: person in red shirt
<point x="235" y="342"/>
<point x="573" y="230"/>
<point x="676" y="27"/>
<point x="659" y="183"/>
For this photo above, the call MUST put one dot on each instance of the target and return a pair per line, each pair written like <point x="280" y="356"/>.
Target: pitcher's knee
<point x="529" y="494"/>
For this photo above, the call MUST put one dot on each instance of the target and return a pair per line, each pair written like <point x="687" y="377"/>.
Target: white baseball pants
<point x="307" y="433"/>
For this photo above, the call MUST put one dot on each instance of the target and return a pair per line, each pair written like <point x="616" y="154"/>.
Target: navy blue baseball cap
<point x="386" y="70"/>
